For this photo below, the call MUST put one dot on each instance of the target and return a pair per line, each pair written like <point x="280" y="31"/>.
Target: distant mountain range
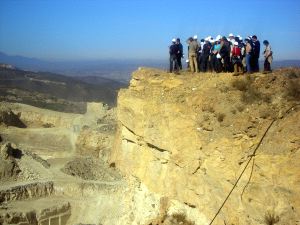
<point x="113" y="69"/>
<point x="56" y="92"/>
<point x="119" y="70"/>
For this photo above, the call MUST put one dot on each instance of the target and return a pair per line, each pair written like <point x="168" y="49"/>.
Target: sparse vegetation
<point x="271" y="218"/>
<point x="208" y="108"/>
<point x="220" y="117"/>
<point x="233" y="111"/>
<point x="293" y="73"/>
<point x="180" y="218"/>
<point x="240" y="107"/>
<point x="48" y="125"/>
<point x="205" y="117"/>
<point x="293" y="89"/>
<point x="265" y="113"/>
<point x="224" y="88"/>
<point x="250" y="93"/>
<point x="242" y="84"/>
<point x="174" y="219"/>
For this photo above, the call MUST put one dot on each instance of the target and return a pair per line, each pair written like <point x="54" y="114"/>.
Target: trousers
<point x="193" y="62"/>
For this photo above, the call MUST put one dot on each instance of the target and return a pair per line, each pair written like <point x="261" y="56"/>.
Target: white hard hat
<point x="218" y="37"/>
<point x="187" y="60"/>
<point x="212" y="40"/>
<point x="195" y="36"/>
<point x="240" y="38"/>
<point x="236" y="43"/>
<point x="173" y="40"/>
<point x="231" y="35"/>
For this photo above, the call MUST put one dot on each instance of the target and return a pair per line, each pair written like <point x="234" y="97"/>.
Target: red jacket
<point x="236" y="51"/>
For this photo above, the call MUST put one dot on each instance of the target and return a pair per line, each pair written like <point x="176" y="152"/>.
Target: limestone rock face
<point x="188" y="137"/>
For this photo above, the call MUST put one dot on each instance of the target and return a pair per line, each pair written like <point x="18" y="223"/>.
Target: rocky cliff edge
<point x="190" y="137"/>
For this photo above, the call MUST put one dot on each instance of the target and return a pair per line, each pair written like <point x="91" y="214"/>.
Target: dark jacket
<point x="180" y="48"/>
<point x="225" y="50"/>
<point x="174" y="49"/>
<point x="256" y="48"/>
<point x="206" y="49"/>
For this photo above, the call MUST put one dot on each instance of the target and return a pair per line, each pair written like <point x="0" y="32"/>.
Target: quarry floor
<point x="60" y="178"/>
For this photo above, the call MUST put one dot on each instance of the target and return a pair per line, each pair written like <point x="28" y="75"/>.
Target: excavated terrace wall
<point x="189" y="137"/>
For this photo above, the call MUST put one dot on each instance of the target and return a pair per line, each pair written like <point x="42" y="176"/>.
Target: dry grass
<point x="165" y="219"/>
<point x="240" y="107"/>
<point x="48" y="125"/>
<point x="208" y="108"/>
<point x="291" y="72"/>
<point x="250" y="92"/>
<point x="242" y="84"/>
<point x="293" y="89"/>
<point x="180" y="218"/>
<point x="174" y="219"/>
<point x="267" y="112"/>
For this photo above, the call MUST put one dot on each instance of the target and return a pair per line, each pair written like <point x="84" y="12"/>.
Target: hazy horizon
<point x="109" y="59"/>
<point x="99" y="30"/>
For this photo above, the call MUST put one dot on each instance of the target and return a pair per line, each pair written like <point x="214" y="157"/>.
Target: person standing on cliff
<point x="248" y="48"/>
<point x="174" y="51"/>
<point x="205" y="54"/>
<point x="193" y="51"/>
<point x="268" y="54"/>
<point x="256" y="53"/>
<point x="180" y="53"/>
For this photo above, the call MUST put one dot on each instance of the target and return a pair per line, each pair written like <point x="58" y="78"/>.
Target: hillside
<point x="190" y="137"/>
<point x="53" y="91"/>
<point x="188" y="149"/>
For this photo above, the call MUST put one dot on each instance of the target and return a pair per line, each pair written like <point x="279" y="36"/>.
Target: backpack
<point x="236" y="51"/>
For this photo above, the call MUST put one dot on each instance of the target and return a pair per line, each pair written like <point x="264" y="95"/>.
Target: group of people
<point x="222" y="54"/>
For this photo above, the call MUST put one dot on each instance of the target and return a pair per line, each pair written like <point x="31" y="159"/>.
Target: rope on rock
<point x="252" y="168"/>
<point x="251" y="156"/>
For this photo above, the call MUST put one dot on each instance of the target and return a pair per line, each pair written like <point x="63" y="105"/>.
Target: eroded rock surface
<point x="189" y="137"/>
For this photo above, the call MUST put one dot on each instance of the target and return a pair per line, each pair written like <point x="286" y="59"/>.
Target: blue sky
<point x="98" y="29"/>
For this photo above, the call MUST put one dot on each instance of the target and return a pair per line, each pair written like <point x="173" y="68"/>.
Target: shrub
<point x="48" y="125"/>
<point x="220" y="117"/>
<point x="180" y="218"/>
<point x="250" y="93"/>
<point x="271" y="219"/>
<point x="240" y="107"/>
<point x="208" y="108"/>
<point x="293" y="89"/>
<point x="242" y="84"/>
<point x="265" y="113"/>
<point x="293" y="73"/>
